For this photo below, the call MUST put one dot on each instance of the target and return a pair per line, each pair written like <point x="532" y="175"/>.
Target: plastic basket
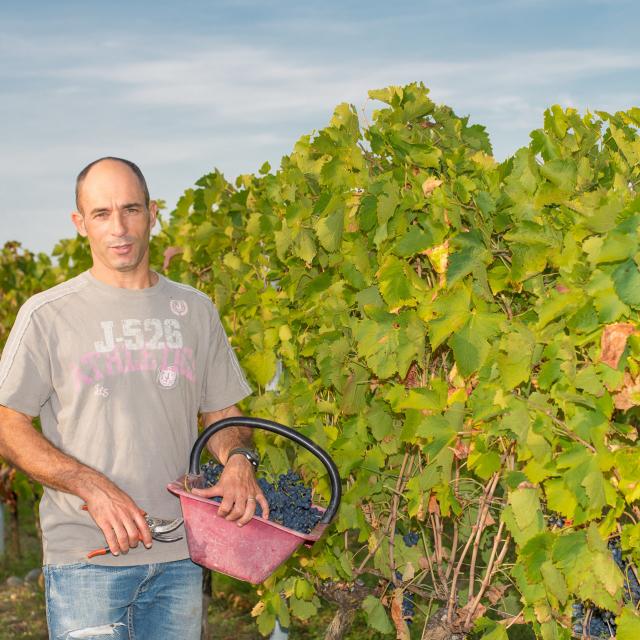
<point x="252" y="552"/>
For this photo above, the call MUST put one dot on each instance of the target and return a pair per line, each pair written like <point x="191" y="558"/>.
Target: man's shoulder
<point x="58" y="294"/>
<point x="179" y="290"/>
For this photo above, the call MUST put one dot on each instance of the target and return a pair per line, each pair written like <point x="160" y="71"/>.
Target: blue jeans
<point x="142" y="602"/>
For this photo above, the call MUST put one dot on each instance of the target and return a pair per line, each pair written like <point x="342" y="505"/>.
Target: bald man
<point x="118" y="363"/>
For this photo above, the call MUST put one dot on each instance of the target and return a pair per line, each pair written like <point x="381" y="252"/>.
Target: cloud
<point x="238" y="82"/>
<point x="194" y="103"/>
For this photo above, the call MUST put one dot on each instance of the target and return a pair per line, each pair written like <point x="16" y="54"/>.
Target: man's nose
<point x="118" y="227"/>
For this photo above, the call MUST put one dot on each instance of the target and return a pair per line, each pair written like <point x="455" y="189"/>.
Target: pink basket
<point x="252" y="552"/>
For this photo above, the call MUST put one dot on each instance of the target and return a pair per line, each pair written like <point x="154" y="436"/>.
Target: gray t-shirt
<point x="118" y="377"/>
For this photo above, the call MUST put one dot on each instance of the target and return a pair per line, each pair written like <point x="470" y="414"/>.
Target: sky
<point x="183" y="88"/>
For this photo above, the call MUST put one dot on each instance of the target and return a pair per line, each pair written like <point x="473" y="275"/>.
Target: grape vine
<point x="462" y="336"/>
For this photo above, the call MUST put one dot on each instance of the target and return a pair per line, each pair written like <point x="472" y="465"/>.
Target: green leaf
<point x="554" y="581"/>
<point x="376" y="615"/>
<point x="389" y="343"/>
<point x="526" y="507"/>
<point x="354" y="391"/>
<point x="368" y="215"/>
<point x="523" y="516"/>
<point x="303" y="609"/>
<point x="561" y="173"/>
<point x="329" y="230"/>
<point x="304" y="247"/>
<point x="452" y="310"/>
<point x="626" y="280"/>
<point x="462" y="263"/>
<point x="558" y="304"/>
<point x="560" y="498"/>
<point x="262" y="366"/>
<point x="483" y="462"/>
<point x="628" y="624"/>
<point x="490" y="629"/>
<point x="471" y="343"/>
<point x="414" y="241"/>
<point x="514" y="359"/>
<point x="434" y="399"/>
<point x="380" y="421"/>
<point x="387" y="203"/>
<point x="398" y="284"/>
<point x="266" y="622"/>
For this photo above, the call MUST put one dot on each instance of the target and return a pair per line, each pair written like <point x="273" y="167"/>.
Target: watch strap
<point x="251" y="455"/>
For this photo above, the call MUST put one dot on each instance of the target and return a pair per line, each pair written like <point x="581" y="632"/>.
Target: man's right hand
<point x="121" y="520"/>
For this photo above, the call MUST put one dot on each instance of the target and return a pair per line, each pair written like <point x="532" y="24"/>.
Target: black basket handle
<point x="274" y="427"/>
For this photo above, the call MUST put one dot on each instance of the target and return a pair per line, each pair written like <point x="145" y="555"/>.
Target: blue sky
<point x="181" y="88"/>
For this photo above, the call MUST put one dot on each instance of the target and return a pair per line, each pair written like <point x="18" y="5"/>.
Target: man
<point x="118" y="362"/>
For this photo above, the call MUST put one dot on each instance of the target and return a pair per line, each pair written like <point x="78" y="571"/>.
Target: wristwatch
<point x="250" y="454"/>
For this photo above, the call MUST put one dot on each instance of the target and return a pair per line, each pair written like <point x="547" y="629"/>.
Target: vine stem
<point x="454" y="551"/>
<point x="478" y="536"/>
<point x="487" y="576"/>
<point x="456" y="573"/>
<point x="433" y="577"/>
<point x="392" y="516"/>
<point x="454" y="541"/>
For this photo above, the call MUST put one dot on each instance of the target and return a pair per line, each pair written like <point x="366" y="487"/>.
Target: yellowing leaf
<point x="439" y="257"/>
<point x="613" y="342"/>
<point x="430" y="184"/>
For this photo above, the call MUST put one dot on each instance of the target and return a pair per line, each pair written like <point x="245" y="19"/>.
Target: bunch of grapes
<point x="411" y="538"/>
<point x="408" y="607"/>
<point x="556" y="521"/>
<point x="408" y="603"/>
<point x="600" y="623"/>
<point x="289" y="499"/>
<point x="211" y="473"/>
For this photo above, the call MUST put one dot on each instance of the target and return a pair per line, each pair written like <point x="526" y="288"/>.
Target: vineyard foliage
<point x="461" y="335"/>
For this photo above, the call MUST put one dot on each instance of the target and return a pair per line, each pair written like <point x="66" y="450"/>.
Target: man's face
<point x="114" y="216"/>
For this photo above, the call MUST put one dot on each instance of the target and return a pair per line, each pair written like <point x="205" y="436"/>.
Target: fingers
<point x="124" y="534"/>
<point x="143" y="529"/>
<point x="124" y="539"/>
<point x="262" y="501"/>
<point x="209" y="492"/>
<point x="243" y="509"/>
<point x="249" y="511"/>
<point x="112" y="539"/>
<point x="238" y="504"/>
<point x="122" y="522"/>
<point x="239" y="491"/>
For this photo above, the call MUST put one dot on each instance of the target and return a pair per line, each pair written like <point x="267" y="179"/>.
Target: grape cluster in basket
<point x="289" y="499"/>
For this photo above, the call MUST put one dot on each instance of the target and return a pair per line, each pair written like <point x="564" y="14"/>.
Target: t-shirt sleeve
<point x="224" y="380"/>
<point x="25" y="368"/>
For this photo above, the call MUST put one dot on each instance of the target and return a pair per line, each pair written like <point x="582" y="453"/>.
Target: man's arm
<point x="118" y="516"/>
<point x="237" y="485"/>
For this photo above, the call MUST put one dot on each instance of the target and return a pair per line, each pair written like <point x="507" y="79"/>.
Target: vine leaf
<point x="614" y="341"/>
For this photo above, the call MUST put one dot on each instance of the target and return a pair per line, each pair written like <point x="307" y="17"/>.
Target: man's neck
<point x="140" y="278"/>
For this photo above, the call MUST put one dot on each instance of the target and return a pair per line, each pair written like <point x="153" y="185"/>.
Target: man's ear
<point x="153" y="213"/>
<point x="78" y="220"/>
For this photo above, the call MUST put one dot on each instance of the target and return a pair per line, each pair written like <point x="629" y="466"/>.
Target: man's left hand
<point x="239" y="491"/>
